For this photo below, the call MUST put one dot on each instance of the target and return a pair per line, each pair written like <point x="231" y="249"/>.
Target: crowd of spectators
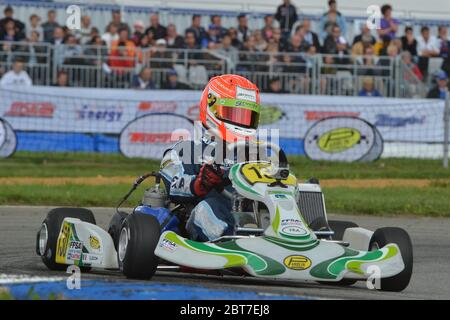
<point x="286" y="43"/>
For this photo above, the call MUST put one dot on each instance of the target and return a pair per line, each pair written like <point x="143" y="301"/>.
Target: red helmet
<point x="230" y="107"/>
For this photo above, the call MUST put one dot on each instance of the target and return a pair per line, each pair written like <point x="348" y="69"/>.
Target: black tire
<point x="339" y="228"/>
<point x="137" y="259"/>
<point x="53" y="222"/>
<point x="115" y="226"/>
<point x="384" y="236"/>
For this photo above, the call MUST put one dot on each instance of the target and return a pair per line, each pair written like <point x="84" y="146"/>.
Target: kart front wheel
<point x="400" y="237"/>
<point x="48" y="234"/>
<point x="138" y="238"/>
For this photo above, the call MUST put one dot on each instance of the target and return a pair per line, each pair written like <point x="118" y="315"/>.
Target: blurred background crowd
<point x="289" y="54"/>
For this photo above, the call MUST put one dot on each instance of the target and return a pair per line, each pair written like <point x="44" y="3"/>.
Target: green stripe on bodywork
<point x="321" y="270"/>
<point x="238" y="182"/>
<point x="276" y="220"/>
<point x="304" y="246"/>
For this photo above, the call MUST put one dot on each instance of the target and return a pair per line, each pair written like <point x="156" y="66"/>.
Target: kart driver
<point x="229" y="107"/>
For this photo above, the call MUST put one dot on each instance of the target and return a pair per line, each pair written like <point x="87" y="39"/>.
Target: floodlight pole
<point x="446" y="129"/>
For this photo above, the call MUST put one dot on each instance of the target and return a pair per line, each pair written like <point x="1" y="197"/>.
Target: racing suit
<point x="211" y="216"/>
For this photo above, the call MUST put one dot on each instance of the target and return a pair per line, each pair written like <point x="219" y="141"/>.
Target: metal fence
<point x="102" y="67"/>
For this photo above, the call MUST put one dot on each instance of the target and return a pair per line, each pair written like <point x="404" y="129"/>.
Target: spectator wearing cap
<point x="368" y="89"/>
<point x="275" y="86"/>
<point x="330" y="19"/>
<point x="409" y="43"/>
<point x="286" y="15"/>
<point x="143" y="81"/>
<point x="440" y="90"/>
<point x="35" y="26"/>
<point x="160" y="58"/>
<point x="199" y="32"/>
<point x="49" y="26"/>
<point x="172" y="82"/>
<point x="159" y="31"/>
<point x="242" y="29"/>
<point x="139" y="32"/>
<point x="18" y="25"/>
<point x="174" y="40"/>
<point x="117" y="21"/>
<point x="388" y="25"/>
<point x="216" y="20"/>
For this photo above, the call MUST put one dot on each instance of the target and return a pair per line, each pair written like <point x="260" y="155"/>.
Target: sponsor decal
<point x="144" y="138"/>
<point x="294" y="230"/>
<point x="297" y="262"/>
<point x="63" y="243"/>
<point x="96" y="113"/>
<point x="91" y="258"/>
<point x="147" y="107"/>
<point x="94" y="242"/>
<point x="385" y="120"/>
<point x="319" y="115"/>
<point x="74" y="255"/>
<point x="168" y="245"/>
<point x="76" y="245"/>
<point x="245" y="94"/>
<point x="31" y="110"/>
<point x="343" y="139"/>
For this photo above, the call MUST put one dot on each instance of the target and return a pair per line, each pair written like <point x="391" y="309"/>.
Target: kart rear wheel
<point x="339" y="228"/>
<point x="138" y="238"/>
<point x="47" y="235"/>
<point x="400" y="237"/>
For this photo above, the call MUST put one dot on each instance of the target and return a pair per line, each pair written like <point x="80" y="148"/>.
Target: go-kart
<point x="282" y="232"/>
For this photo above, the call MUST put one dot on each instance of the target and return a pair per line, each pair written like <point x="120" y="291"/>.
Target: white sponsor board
<point x="109" y="111"/>
<point x="145" y="137"/>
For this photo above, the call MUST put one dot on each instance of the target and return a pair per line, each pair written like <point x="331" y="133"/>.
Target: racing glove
<point x="207" y="179"/>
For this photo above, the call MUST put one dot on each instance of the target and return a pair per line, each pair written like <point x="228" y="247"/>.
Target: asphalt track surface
<point x="430" y="280"/>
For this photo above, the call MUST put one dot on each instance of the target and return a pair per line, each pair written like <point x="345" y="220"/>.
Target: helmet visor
<point x="238" y="112"/>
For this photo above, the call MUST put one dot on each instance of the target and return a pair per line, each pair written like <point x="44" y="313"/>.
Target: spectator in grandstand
<point x="111" y="35"/>
<point x="214" y="37"/>
<point x="408" y="61"/>
<point x="330" y="19"/>
<point x="227" y="50"/>
<point x="440" y="90"/>
<point x="35" y="26"/>
<point x="62" y="79"/>
<point x="260" y="42"/>
<point x="83" y="35"/>
<point x="275" y="86"/>
<point x="368" y="62"/>
<point x="96" y="51"/>
<point x="291" y="63"/>
<point x="50" y="26"/>
<point x="17" y="76"/>
<point x="159" y="31"/>
<point x="368" y="89"/>
<point x="174" y="40"/>
<point x="190" y="43"/>
<point x="409" y="42"/>
<point x="278" y="40"/>
<point x="286" y="15"/>
<point x="216" y="21"/>
<point x="388" y="25"/>
<point x="311" y="37"/>
<point x="267" y="30"/>
<point x="19" y="26"/>
<point x="10" y="33"/>
<point x="117" y="22"/>
<point x="58" y="45"/>
<point x="72" y="51"/>
<point x="249" y="57"/>
<point x="428" y="46"/>
<point x="362" y="40"/>
<point x="336" y="44"/>
<point x="444" y="42"/>
<point x="123" y="52"/>
<point x="297" y="44"/>
<point x="138" y="33"/>
<point x="233" y="33"/>
<point x="160" y="58"/>
<point x="242" y="29"/>
<point x="143" y="80"/>
<point x="198" y="30"/>
<point x="172" y="82"/>
<point x="35" y="52"/>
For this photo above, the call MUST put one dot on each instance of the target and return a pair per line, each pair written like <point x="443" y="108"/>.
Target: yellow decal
<point x="297" y="262"/>
<point x="339" y="140"/>
<point x="63" y="243"/>
<point x="260" y="173"/>
<point x="94" y="242"/>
